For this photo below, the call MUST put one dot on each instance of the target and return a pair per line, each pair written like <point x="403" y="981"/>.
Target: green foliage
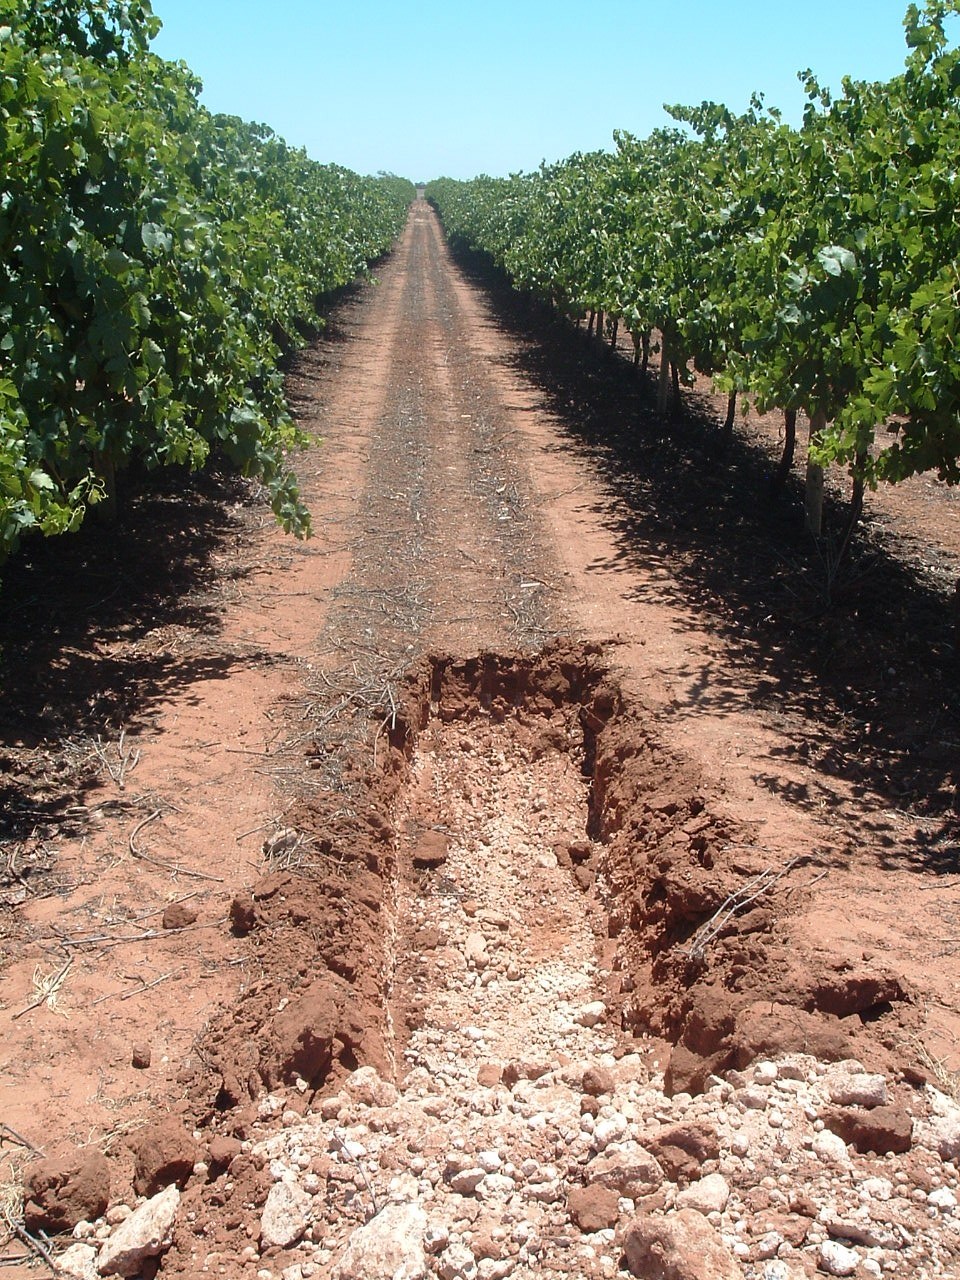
<point x="812" y="268"/>
<point x="154" y="261"/>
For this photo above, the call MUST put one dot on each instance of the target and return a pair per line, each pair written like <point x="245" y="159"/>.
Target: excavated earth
<point x="548" y="869"/>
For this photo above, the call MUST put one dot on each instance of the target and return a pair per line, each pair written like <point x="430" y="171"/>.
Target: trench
<point x="498" y="949"/>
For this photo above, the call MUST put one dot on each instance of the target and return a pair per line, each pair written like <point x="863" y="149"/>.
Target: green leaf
<point x="835" y="259"/>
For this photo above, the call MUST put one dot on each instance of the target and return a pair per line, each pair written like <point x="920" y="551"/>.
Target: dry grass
<point x="947" y="1081"/>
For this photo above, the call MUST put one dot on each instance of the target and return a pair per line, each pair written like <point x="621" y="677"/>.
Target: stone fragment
<point x="388" y="1247"/>
<point x="221" y="1153"/>
<point x="457" y="1263"/>
<point x="708" y="1195"/>
<point x="141" y="1056"/>
<point x="58" y="1194"/>
<point x="431" y="851"/>
<point x="598" y="1081"/>
<point x="943" y="1199"/>
<point x="286" y="1214"/>
<point x="178" y="915"/>
<point x="495" y="1268"/>
<point x="940" y="1132"/>
<point x="79" y="1262"/>
<point x="145" y="1234"/>
<point x="837" y="1260"/>
<point x="882" y="1130"/>
<point x="466" y="1181"/>
<point x="766" y="1073"/>
<point x="590" y="1015"/>
<point x="366" y="1086"/>
<point x="628" y="1169"/>
<point x="475" y="950"/>
<point x="513" y="1072"/>
<point x="593" y="1208"/>
<point x="830" y="1148"/>
<point x="857" y="1090"/>
<point x="682" y="1246"/>
<point x="164" y="1153"/>
<point x="683" y="1149"/>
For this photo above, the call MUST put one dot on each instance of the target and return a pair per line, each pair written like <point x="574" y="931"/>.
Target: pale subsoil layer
<point x="444" y="879"/>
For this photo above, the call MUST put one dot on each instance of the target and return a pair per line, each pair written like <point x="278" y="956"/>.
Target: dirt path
<point x="395" y="866"/>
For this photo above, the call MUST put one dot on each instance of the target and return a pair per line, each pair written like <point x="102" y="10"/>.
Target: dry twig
<point x="46" y="987"/>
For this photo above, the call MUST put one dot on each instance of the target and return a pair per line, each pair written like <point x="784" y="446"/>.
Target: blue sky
<point x="444" y="87"/>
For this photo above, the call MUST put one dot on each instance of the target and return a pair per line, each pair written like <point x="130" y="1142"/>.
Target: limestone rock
<point x="145" y="1234"/>
<point x="285" y="1216"/>
<point x="709" y="1195"/>
<point x="941" y="1132"/>
<point x="457" y="1263"/>
<point x="79" y="1262"/>
<point x="627" y="1169"/>
<point x="682" y="1246"/>
<point x="475" y="951"/>
<point x="388" y="1247"/>
<point x="837" y="1260"/>
<point x="856" y="1089"/>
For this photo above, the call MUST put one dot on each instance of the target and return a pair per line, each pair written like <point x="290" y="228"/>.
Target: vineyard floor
<point x="422" y="897"/>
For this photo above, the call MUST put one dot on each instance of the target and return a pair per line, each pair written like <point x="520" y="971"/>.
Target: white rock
<point x="629" y="1169"/>
<point x="489" y="1161"/>
<point x="285" y="1216"/>
<point x="591" y="1014"/>
<point x="79" y="1262"/>
<point x="608" y="1130"/>
<point x="754" y="1098"/>
<point x="940" y="1132"/>
<point x="943" y="1199"/>
<point x="466" y="1181"/>
<point x="837" y="1260"/>
<point x="857" y="1090"/>
<point x="456" y="1263"/>
<point x="145" y="1234"/>
<point x="831" y="1148"/>
<point x="768" y="1246"/>
<point x="366" y="1086"/>
<point x="495" y="1268"/>
<point x="766" y="1072"/>
<point x="708" y="1195"/>
<point x="436" y="1238"/>
<point x="388" y="1247"/>
<point x="475" y="951"/>
<point x="779" y="1270"/>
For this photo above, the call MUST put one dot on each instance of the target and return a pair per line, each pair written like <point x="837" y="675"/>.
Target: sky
<point x="461" y="87"/>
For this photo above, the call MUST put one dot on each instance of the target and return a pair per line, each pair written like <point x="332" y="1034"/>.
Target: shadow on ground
<point x="857" y="668"/>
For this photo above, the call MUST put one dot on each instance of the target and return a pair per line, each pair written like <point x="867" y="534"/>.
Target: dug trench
<point x="531" y="880"/>
<point x="511" y="782"/>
